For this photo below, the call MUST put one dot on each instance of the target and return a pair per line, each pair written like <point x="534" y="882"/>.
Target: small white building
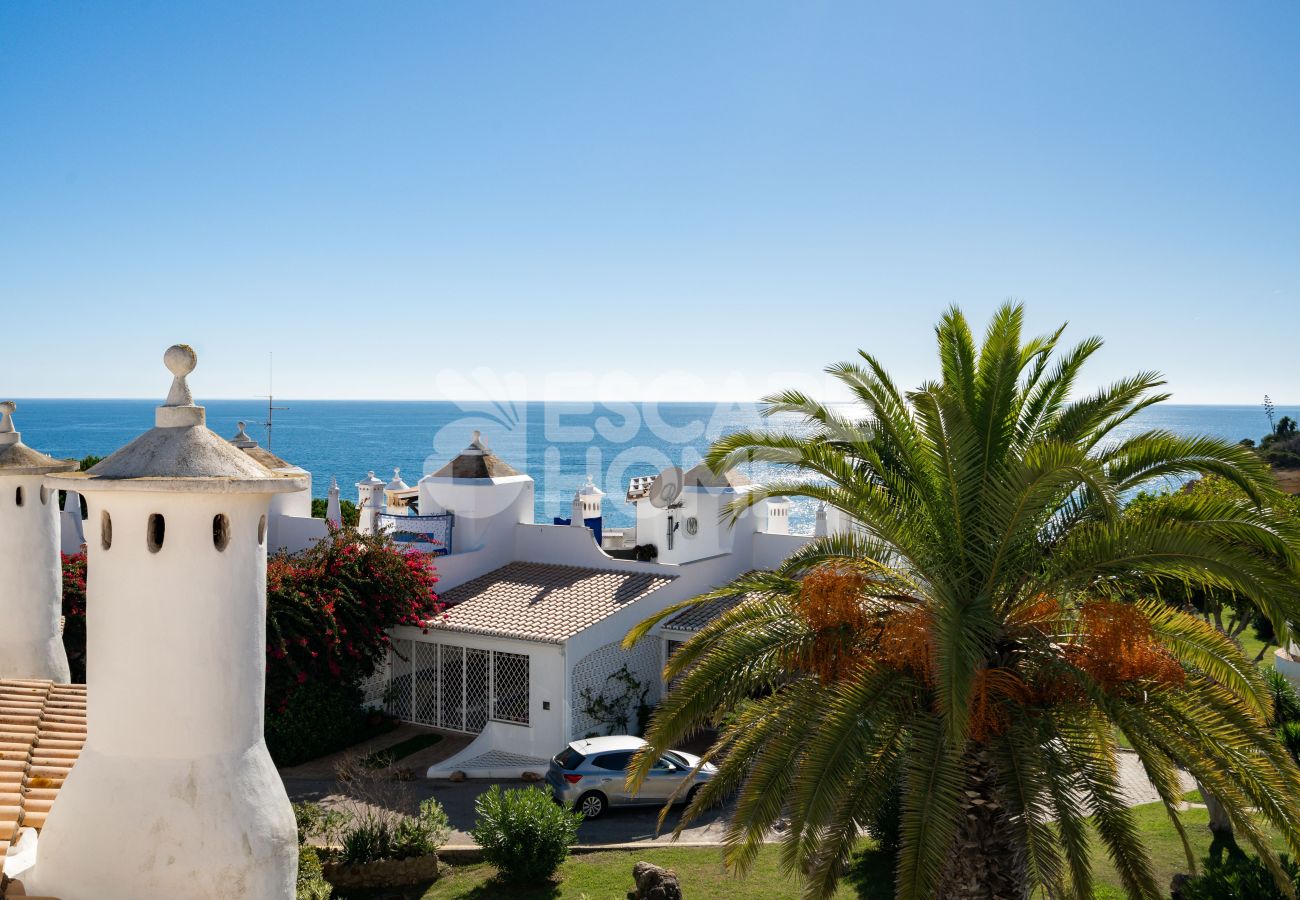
<point x="685" y="515"/>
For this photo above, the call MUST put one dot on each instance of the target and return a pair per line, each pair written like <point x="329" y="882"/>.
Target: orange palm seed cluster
<point x="1116" y="646"/>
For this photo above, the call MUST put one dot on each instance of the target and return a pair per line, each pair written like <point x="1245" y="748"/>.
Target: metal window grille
<point x="510" y="687"/>
<point x="397" y="698"/>
<point x="451" y="706"/>
<point x="456" y="688"/>
<point x="425" y="683"/>
<point x="477" y="689"/>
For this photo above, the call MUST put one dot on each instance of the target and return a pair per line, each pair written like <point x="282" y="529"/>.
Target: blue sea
<point x="559" y="444"/>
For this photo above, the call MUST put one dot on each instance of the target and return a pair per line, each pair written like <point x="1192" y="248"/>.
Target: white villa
<point x="536" y="612"/>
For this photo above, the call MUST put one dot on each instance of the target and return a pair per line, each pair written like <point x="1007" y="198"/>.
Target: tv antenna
<point x="270" y="400"/>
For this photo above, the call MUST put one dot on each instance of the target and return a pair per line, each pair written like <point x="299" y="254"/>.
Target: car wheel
<point x="591" y="804"/>
<point x="690" y="795"/>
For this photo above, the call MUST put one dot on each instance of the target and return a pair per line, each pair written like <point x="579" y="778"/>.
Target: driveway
<point x="618" y="826"/>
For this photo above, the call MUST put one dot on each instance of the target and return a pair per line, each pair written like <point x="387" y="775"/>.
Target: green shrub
<point x="368" y="839"/>
<point x="1286" y="703"/>
<point x="1236" y="878"/>
<point x="351" y="515"/>
<point x="314" y="820"/>
<point x="373" y="834"/>
<point x="311" y="880"/>
<point x="422" y="834"/>
<point x="1290" y="735"/>
<point x="885" y="823"/>
<point x="320" y="717"/>
<point x="524" y="833"/>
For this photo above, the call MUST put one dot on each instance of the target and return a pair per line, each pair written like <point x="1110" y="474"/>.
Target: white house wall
<point x="770" y="550"/>
<point x="592" y="673"/>
<point x="293" y="533"/>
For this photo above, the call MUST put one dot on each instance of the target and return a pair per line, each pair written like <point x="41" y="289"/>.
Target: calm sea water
<point x="559" y="444"/>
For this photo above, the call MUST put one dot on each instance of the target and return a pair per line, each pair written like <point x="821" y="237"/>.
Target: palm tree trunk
<point x="1223" y="841"/>
<point x="986" y="861"/>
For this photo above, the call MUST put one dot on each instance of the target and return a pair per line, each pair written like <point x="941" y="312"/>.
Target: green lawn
<point x="608" y="875"/>
<point x="399" y="751"/>
<point x="1251" y="645"/>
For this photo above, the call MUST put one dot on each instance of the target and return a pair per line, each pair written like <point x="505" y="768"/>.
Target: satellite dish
<point x="667" y="488"/>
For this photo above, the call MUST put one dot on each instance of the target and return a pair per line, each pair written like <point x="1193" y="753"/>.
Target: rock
<point x="531" y="776"/>
<point x="458" y="775"/>
<point x="654" y="883"/>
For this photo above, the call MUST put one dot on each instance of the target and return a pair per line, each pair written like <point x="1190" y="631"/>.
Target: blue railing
<point x="435" y="531"/>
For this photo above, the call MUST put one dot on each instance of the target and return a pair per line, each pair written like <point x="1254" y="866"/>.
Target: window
<point x="156" y="533"/>
<point x="220" y="531"/>
<point x="261" y="531"/>
<point x="510" y="687"/>
<point x="569" y="759"/>
<point x="45" y="495"/>
<point x="676" y="760"/>
<point x="105" y="530"/>
<point x="614" y="762"/>
<point x="18" y="496"/>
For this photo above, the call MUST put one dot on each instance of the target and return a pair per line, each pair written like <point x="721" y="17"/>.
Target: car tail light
<point x="572" y="779"/>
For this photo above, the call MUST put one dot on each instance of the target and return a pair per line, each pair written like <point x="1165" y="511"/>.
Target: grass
<point x="608" y="875"/>
<point x="382" y="759"/>
<point x="1251" y="645"/>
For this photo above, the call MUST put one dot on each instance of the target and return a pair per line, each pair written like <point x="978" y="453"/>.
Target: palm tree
<point x="984" y="628"/>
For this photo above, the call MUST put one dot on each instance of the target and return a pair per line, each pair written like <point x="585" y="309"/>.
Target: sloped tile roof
<point x="693" y="618"/>
<point x="486" y="465"/>
<point x="42" y="731"/>
<point x="542" y="602"/>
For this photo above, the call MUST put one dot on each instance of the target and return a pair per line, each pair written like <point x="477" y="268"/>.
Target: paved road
<point x="618" y="826"/>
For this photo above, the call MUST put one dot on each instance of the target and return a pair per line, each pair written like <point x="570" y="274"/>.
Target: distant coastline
<point x="558" y="444"/>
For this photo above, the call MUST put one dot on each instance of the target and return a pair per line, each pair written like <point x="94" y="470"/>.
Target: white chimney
<point x="174" y="794"/>
<point x="31" y="593"/>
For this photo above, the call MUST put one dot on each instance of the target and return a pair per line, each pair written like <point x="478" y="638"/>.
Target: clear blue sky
<point x="386" y="193"/>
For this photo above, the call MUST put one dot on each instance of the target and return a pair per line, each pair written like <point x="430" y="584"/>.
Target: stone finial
<point x="180" y="360"/>
<point x="179" y="411"/>
<point x="242" y="438"/>
<point x="477" y="445"/>
<point x="8" y="434"/>
<point x="334" y="484"/>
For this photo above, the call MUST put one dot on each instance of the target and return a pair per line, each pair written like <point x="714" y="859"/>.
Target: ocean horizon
<point x="558" y="444"/>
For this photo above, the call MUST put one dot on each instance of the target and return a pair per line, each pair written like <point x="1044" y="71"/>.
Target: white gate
<point x="456" y="688"/>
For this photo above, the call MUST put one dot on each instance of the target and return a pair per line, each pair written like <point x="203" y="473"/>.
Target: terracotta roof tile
<point x="693" y="618"/>
<point x="42" y="731"/>
<point x="542" y="602"/>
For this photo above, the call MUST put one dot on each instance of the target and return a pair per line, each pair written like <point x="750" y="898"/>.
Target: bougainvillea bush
<point x="328" y="612"/>
<point x="74" y="614"/>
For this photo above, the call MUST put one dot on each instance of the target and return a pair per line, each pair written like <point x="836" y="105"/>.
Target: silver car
<point x="591" y="775"/>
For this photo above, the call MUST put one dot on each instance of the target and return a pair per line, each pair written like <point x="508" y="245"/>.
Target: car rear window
<point x="569" y="759"/>
<point x="614" y="762"/>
